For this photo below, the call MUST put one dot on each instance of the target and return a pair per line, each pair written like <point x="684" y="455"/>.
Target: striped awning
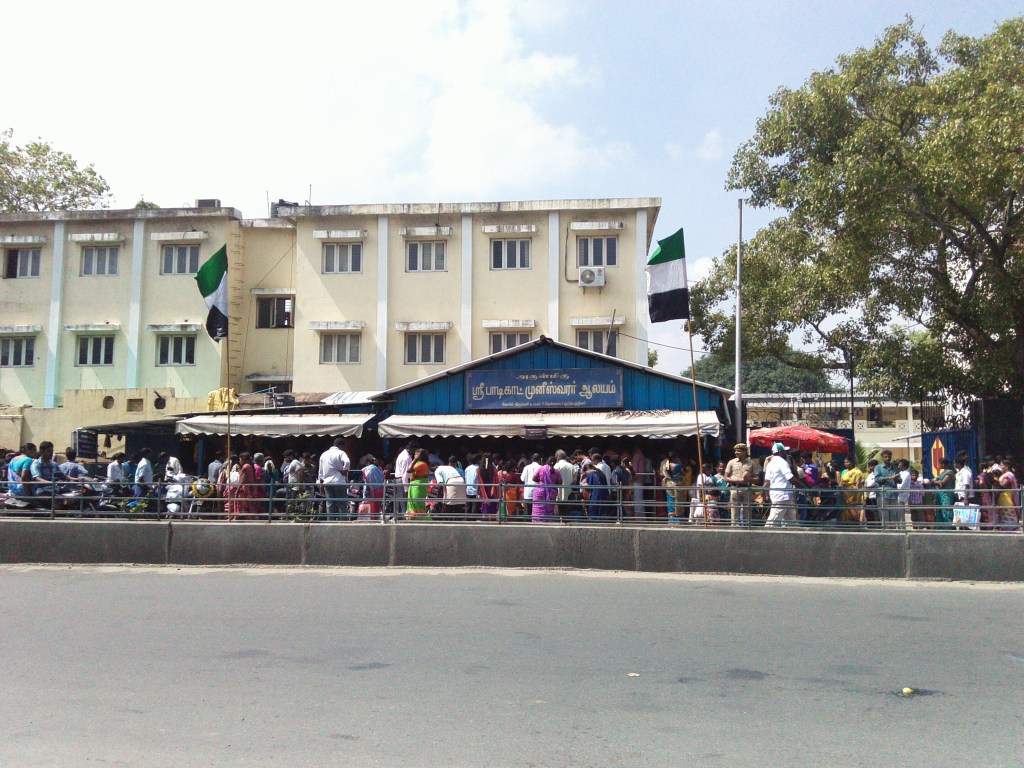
<point x="565" y="424"/>
<point x="278" y="425"/>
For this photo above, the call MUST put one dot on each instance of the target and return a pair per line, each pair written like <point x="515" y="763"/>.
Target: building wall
<point x="283" y="257"/>
<point x="136" y="305"/>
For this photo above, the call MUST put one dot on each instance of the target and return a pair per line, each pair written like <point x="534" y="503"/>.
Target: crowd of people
<point x="789" y="488"/>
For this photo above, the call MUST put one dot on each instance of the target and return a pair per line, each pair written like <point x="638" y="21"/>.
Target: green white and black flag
<point x="668" y="297"/>
<point x="212" y="278"/>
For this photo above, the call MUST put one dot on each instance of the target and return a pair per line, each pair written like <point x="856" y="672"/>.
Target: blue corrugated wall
<point x="643" y="391"/>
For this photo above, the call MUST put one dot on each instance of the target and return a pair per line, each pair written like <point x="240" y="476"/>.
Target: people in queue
<point x="601" y="485"/>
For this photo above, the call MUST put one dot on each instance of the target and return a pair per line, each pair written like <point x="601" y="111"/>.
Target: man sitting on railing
<point x="46" y="475"/>
<point x="19" y="471"/>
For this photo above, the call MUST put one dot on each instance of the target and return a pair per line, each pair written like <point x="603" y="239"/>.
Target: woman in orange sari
<point x="513" y="489"/>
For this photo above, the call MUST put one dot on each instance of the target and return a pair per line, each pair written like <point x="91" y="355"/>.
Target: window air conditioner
<point x="591" y="277"/>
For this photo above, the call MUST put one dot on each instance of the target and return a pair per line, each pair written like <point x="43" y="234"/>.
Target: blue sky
<point x="434" y="100"/>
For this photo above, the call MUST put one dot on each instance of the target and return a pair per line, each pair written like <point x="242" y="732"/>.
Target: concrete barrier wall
<point x="959" y="556"/>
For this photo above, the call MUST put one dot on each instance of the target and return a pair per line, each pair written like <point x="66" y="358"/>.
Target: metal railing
<point x="512" y="503"/>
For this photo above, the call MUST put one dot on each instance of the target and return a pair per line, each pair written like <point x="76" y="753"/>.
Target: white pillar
<point x="383" y="266"/>
<point x="55" y="331"/>
<point x="640" y="251"/>
<point x="554" y="273"/>
<point x="134" y="329"/>
<point x="466" y="319"/>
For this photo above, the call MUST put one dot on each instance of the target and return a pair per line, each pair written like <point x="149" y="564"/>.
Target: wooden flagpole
<point x="696" y="418"/>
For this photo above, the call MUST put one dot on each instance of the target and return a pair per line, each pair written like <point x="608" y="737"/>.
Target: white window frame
<point x="594" y="340"/>
<point x="279" y="306"/>
<point x="17" y="351"/>
<point x="416" y="256"/>
<point x="341" y="348"/>
<point x="177" y="251"/>
<point x="26" y="263"/>
<point x="176" y="350"/>
<point x="334" y="254"/>
<point x="501" y="340"/>
<point x="96" y="348"/>
<point x="511" y="253"/>
<point x="99" y="260"/>
<point x="418" y="354"/>
<point x="586" y="255"/>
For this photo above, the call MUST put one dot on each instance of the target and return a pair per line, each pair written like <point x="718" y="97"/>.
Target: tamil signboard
<point x="538" y="389"/>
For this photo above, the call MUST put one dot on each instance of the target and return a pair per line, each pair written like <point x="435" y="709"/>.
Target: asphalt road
<point x="150" y="667"/>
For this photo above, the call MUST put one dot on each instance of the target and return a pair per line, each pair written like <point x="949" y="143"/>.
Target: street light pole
<point x="741" y="432"/>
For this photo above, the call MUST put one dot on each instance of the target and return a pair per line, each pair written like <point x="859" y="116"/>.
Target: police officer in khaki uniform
<point x="739" y="474"/>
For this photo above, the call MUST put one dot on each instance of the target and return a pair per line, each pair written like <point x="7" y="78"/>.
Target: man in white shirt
<point x="115" y="475"/>
<point x="903" y="487"/>
<point x="472" y="478"/>
<point x="778" y="476"/>
<point x="172" y="467"/>
<point x="964" y="478"/>
<point x="333" y="475"/>
<point x="569" y="474"/>
<point x="402" y="466"/>
<point x="454" y="485"/>
<point x="528" y="482"/>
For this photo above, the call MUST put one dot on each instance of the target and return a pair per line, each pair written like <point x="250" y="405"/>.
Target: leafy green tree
<point x="899" y="174"/>
<point x="652" y="358"/>
<point x="763" y="374"/>
<point x="38" y="177"/>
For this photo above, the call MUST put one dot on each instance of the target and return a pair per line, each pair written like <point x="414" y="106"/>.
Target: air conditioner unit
<point x="591" y="277"/>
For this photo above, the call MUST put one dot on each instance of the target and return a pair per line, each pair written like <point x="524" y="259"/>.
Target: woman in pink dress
<point x="242" y="504"/>
<point x="547" y="480"/>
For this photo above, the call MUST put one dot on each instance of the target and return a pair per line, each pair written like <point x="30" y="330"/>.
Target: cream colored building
<point x="877" y="424"/>
<point x="322" y="299"/>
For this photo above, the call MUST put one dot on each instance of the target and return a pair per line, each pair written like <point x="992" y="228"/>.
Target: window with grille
<point x="502" y="341"/>
<point x="510" y="254"/>
<point x="179" y="260"/>
<point x="17" y="351"/>
<point x="339" y="348"/>
<point x="176" y="350"/>
<point x="597" y="251"/>
<point x="22" y="263"/>
<point x="99" y="260"/>
<point x="95" y="350"/>
<point x="424" y="348"/>
<point x="274" y="311"/>
<point x="596" y="341"/>
<point x="425" y="256"/>
<point x="342" y="258"/>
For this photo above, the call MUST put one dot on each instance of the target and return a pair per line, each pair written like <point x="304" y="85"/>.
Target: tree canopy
<point x="764" y="374"/>
<point x="899" y="175"/>
<point x="38" y="177"/>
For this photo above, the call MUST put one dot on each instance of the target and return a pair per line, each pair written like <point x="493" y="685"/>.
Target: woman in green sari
<point x="943" y="483"/>
<point x="419" y="484"/>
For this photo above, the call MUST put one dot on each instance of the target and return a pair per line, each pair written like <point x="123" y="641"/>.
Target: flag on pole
<point x="212" y="278"/>
<point x="668" y="297"/>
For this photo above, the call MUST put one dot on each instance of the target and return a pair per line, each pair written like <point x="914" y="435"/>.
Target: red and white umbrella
<point x="800" y="438"/>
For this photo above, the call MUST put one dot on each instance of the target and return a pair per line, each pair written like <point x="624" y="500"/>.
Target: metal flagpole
<point x="741" y="432"/>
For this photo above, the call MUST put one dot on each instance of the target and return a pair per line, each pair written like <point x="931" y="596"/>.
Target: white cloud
<point x="438" y="99"/>
<point x="712" y="147"/>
